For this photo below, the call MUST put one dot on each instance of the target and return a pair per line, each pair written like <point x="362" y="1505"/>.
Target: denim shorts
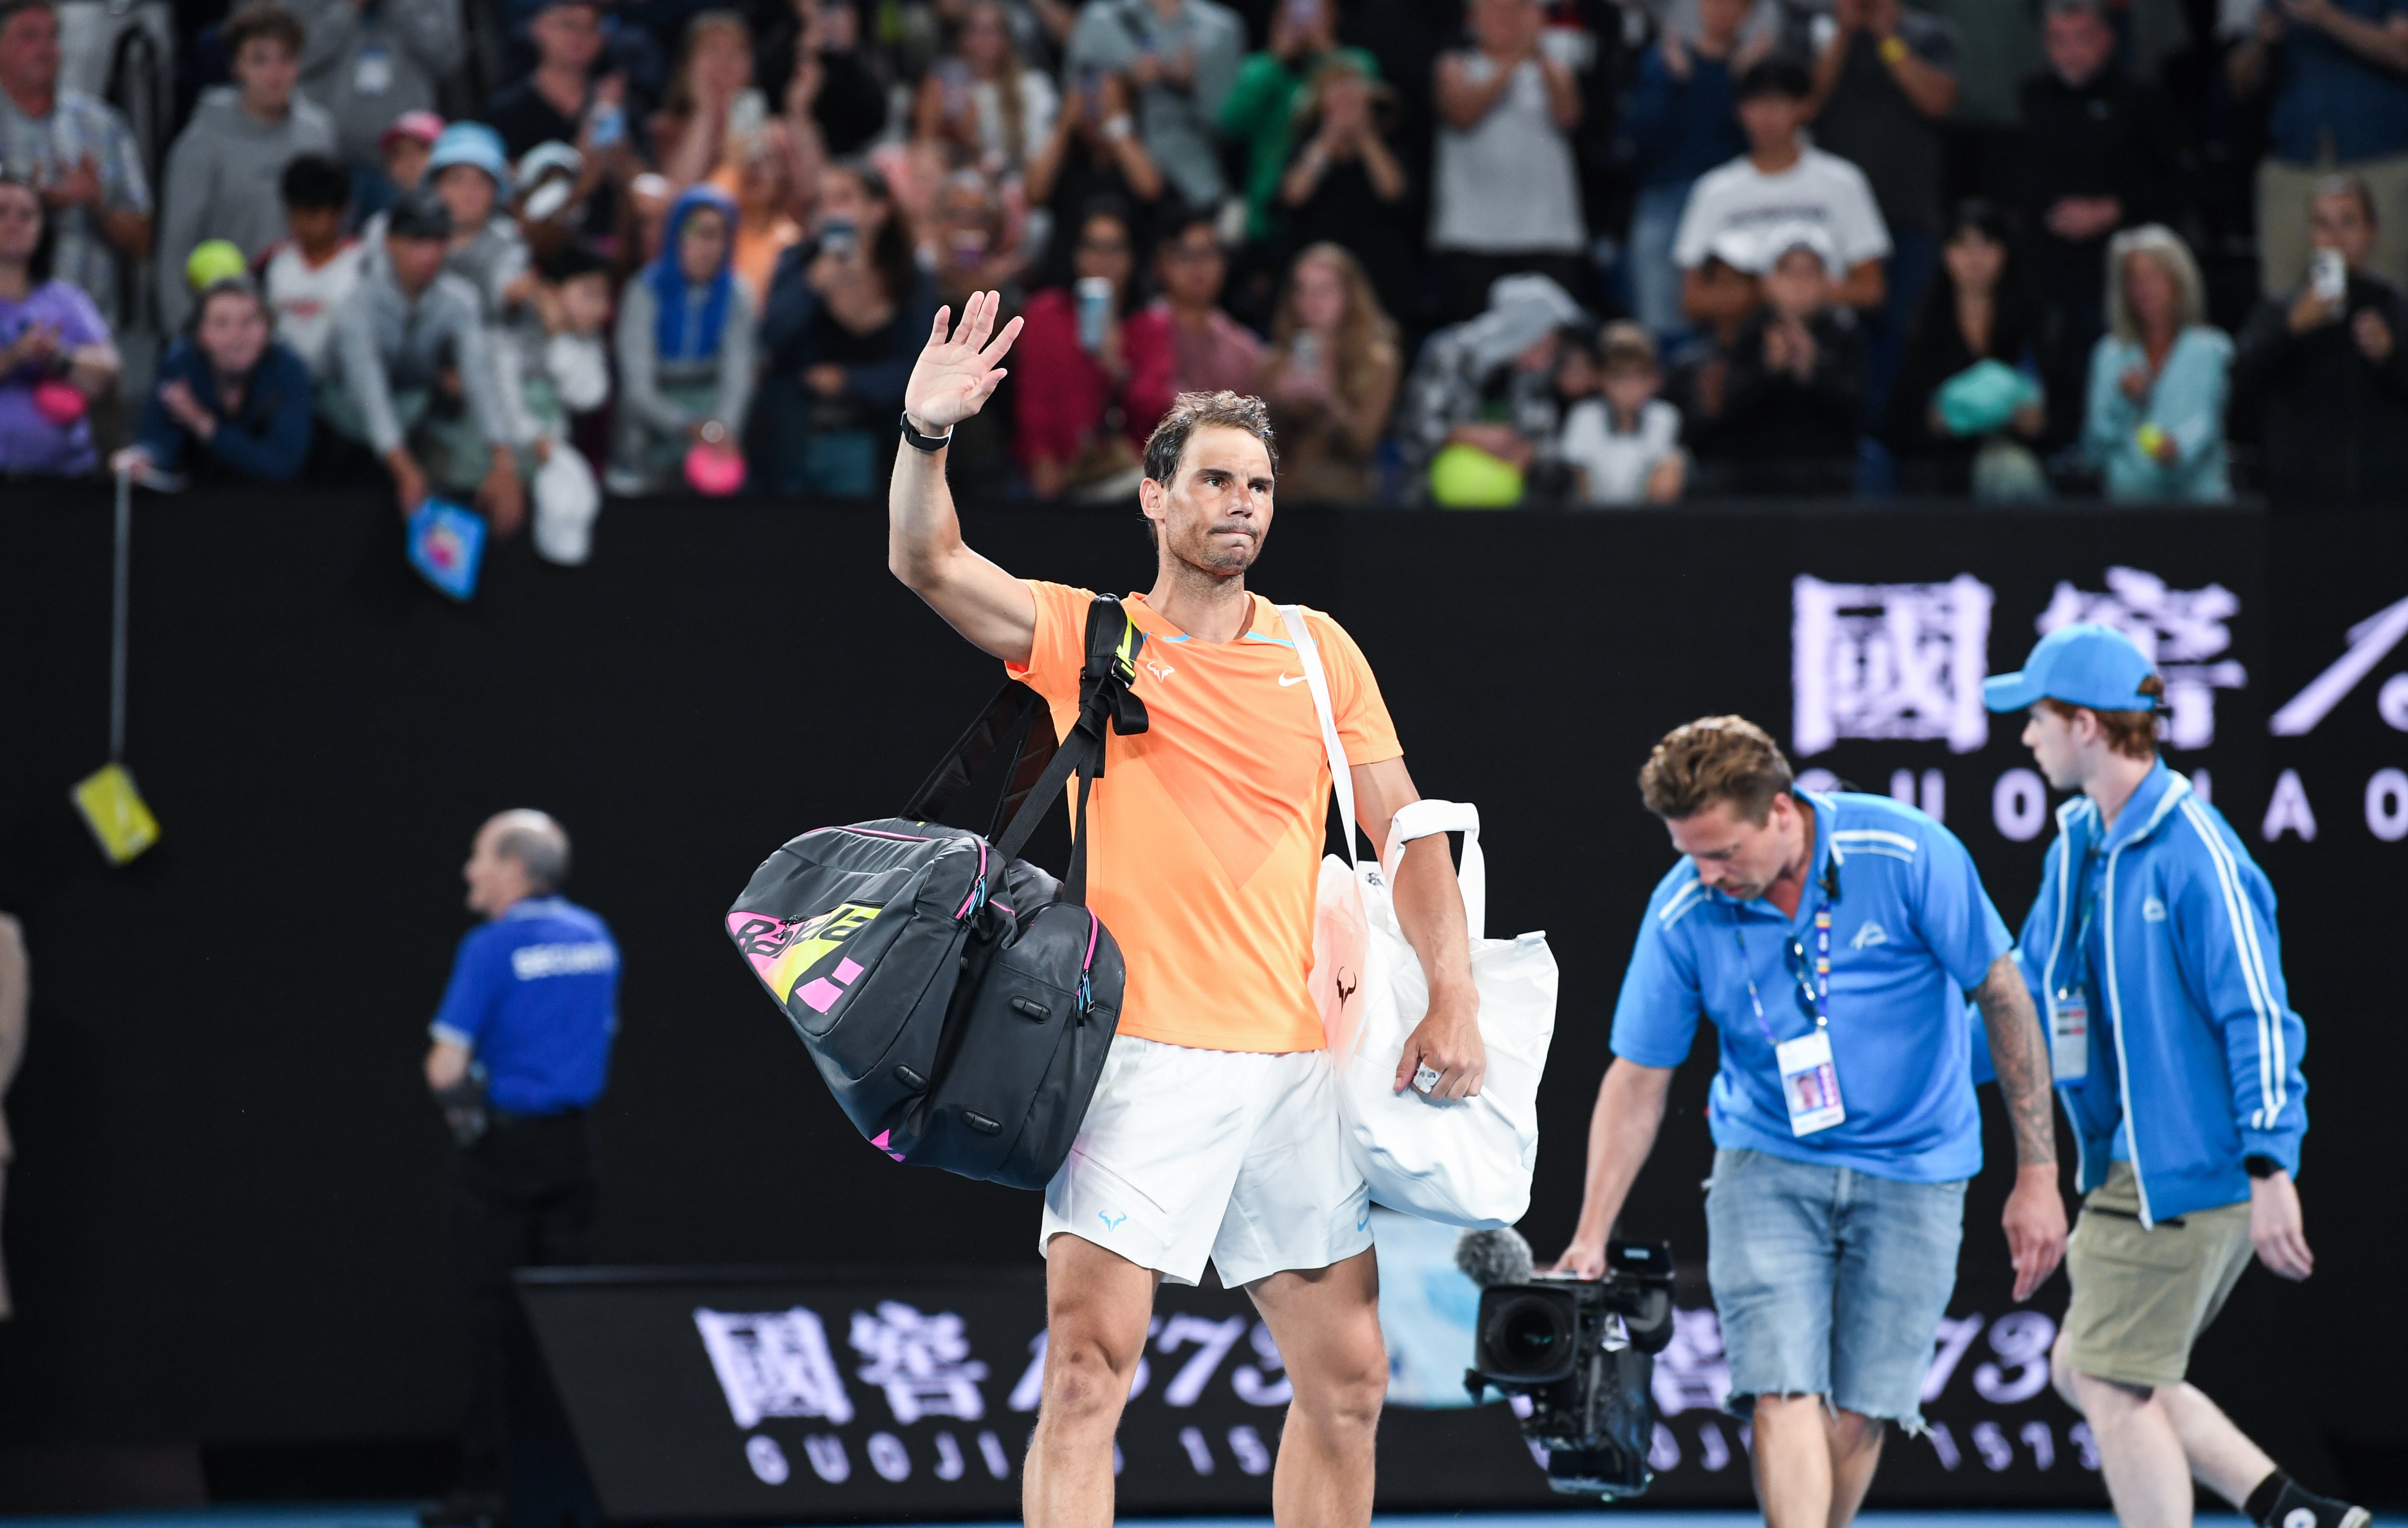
<point x="1829" y="1281"/>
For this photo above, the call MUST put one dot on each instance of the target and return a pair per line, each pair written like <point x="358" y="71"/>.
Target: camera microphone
<point x="1494" y="1257"/>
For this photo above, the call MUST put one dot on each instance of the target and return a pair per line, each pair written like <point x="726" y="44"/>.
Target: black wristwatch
<point x="2259" y="1165"/>
<point x="918" y="442"/>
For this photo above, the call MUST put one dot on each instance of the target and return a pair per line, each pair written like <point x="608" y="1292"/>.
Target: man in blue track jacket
<point x="2153" y="948"/>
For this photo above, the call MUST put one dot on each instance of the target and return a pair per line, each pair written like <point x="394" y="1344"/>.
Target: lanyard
<point x="1820" y="987"/>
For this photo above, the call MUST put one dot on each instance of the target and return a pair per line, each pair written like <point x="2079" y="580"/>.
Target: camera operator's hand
<point x="2277" y="1229"/>
<point x="2035" y="1225"/>
<point x="1582" y="1259"/>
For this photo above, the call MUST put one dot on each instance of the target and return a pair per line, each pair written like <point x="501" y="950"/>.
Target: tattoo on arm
<point x="2019" y="1053"/>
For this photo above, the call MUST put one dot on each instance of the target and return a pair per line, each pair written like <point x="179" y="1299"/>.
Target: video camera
<point x="1583" y="1352"/>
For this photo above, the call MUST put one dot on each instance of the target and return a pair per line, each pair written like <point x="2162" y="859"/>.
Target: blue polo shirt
<point x="1911" y="932"/>
<point x="535" y="996"/>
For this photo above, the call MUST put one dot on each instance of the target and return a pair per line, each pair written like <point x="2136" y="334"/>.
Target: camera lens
<point x="1532" y="1333"/>
<point x="1527" y="1336"/>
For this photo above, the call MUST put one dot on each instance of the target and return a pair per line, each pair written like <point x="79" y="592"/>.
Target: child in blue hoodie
<point x="685" y="347"/>
<point x="2153" y="950"/>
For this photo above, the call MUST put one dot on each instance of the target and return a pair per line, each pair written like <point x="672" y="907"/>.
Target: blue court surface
<point x="403" y="1515"/>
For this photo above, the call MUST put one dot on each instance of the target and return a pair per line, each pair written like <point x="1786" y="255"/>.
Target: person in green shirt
<point x="1260" y="108"/>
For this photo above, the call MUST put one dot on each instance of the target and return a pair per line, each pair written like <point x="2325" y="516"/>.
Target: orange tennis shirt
<point x="1205" y="834"/>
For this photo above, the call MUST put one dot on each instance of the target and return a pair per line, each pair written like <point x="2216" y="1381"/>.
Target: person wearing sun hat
<point x="471" y="172"/>
<point x="2154" y="951"/>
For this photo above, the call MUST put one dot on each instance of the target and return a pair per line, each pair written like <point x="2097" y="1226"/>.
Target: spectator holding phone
<point x="1260" y="110"/>
<point x="1092" y="386"/>
<point x="686" y="346"/>
<point x="830" y="94"/>
<point x="1504" y="191"/>
<point x="222" y="174"/>
<point x="849" y="312"/>
<point x="232" y="404"/>
<point x="561" y="100"/>
<point x="711" y="102"/>
<point x="2158" y="378"/>
<point x="1094" y="155"/>
<point x="1330" y="376"/>
<point x="2325" y="367"/>
<point x="1344" y="183"/>
<point x="2338" y="74"/>
<point x="55" y="354"/>
<point x="1179" y="57"/>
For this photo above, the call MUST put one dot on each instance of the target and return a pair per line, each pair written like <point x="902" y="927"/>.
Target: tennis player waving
<point x="1214" y="1130"/>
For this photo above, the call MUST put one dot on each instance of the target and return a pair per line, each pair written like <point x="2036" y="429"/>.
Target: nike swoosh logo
<point x="1286" y="681"/>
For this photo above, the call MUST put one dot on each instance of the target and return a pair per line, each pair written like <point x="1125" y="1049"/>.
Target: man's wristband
<point x="2260" y="1165"/>
<point x="918" y="442"/>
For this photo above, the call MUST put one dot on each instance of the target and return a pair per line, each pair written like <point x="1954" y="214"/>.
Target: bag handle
<point x="1009" y="718"/>
<point x="1415" y="820"/>
<point x="1426" y="818"/>
<point x="1105" y="701"/>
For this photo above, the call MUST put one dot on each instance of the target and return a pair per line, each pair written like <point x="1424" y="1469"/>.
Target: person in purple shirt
<point x="55" y="354"/>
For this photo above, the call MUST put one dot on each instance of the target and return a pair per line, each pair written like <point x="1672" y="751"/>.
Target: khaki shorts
<point x="2142" y="1297"/>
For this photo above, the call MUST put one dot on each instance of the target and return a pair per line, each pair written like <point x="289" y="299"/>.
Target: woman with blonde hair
<point x="1330" y="376"/>
<point x="711" y="100"/>
<point x="1012" y="105"/>
<point x="2159" y="377"/>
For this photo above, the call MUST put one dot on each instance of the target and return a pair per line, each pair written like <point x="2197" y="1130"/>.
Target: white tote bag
<point x="1462" y="1162"/>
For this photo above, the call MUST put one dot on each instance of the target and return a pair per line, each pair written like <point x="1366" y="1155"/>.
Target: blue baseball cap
<point x="2081" y="664"/>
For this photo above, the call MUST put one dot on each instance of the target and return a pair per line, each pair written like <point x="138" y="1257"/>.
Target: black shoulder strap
<point x="1105" y="702"/>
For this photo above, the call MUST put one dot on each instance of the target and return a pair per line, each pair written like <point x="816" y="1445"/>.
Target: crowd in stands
<point x="1474" y="254"/>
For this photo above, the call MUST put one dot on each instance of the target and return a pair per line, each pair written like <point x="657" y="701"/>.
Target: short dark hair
<point x="574" y="259"/>
<point x="1167" y="445"/>
<point x="261" y="19"/>
<point x="2349" y="184"/>
<point x="1173" y="225"/>
<point x="1775" y="76"/>
<point x="2131" y="734"/>
<point x="314" y="183"/>
<point x="1715" y="757"/>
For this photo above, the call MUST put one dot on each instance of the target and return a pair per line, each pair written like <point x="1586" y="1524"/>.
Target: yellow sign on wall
<point x="115" y="811"/>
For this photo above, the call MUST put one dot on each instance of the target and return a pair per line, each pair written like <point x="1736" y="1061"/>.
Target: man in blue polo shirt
<point x="522" y="1048"/>
<point x="1833" y="940"/>
<point x="2154" y="946"/>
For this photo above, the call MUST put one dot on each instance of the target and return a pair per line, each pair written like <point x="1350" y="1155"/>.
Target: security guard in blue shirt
<point x="2154" y="946"/>
<point x="522" y="1049"/>
<point x="1832" y="939"/>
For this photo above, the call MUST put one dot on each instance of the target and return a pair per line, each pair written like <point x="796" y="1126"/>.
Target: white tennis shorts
<point x="1230" y="1154"/>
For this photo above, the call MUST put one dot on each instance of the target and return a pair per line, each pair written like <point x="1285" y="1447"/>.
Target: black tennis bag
<point x="958" y="1001"/>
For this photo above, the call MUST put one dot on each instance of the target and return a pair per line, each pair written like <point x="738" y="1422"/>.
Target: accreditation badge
<point x="1810" y="1083"/>
<point x="2069" y="1034"/>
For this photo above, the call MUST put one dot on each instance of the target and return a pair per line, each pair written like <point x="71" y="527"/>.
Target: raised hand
<point x="954" y="377"/>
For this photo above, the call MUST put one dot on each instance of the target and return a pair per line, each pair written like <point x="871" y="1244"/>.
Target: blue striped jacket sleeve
<point x="2040" y="925"/>
<point x="2232" y="959"/>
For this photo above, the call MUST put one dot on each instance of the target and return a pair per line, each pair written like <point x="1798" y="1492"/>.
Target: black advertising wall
<point x="224" y="1220"/>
